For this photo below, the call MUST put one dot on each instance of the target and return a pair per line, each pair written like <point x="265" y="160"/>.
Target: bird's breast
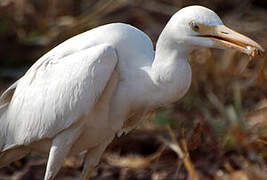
<point x="172" y="83"/>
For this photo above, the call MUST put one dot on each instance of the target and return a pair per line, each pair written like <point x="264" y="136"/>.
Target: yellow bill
<point x="226" y="37"/>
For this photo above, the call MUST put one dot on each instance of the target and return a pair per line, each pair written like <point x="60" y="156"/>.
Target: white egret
<point x="79" y="95"/>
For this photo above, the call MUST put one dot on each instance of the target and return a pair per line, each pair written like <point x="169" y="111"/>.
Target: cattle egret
<point x="81" y="94"/>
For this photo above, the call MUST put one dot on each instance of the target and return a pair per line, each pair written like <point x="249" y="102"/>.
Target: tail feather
<point x="3" y="109"/>
<point x="12" y="154"/>
<point x="3" y="119"/>
<point x="5" y="99"/>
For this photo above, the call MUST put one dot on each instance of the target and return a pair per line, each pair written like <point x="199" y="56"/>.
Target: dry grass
<point x="217" y="131"/>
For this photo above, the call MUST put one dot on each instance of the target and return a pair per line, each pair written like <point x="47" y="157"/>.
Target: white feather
<point x="55" y="94"/>
<point x="81" y="93"/>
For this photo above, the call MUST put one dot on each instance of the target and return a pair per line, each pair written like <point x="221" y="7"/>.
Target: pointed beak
<point x="225" y="37"/>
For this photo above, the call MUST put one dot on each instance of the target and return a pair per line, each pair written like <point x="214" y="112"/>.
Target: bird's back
<point x="134" y="48"/>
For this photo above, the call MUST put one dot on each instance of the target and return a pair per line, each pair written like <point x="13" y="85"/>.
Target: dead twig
<point x="183" y="155"/>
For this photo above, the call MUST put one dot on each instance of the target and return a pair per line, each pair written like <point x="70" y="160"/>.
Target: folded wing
<point x="53" y="95"/>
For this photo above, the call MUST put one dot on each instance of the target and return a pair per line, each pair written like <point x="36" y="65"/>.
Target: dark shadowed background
<point x="220" y="126"/>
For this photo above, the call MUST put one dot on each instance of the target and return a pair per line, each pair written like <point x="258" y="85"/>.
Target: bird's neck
<point x="170" y="71"/>
<point x="169" y="50"/>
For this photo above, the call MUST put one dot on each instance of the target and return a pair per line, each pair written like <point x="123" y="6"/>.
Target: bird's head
<point x="197" y="26"/>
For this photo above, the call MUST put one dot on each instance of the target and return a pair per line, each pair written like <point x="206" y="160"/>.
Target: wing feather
<point x="55" y="94"/>
<point x="7" y="95"/>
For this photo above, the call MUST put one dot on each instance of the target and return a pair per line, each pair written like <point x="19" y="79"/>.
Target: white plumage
<point x="79" y="95"/>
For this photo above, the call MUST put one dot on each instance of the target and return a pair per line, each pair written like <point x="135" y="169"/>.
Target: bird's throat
<point x="172" y="75"/>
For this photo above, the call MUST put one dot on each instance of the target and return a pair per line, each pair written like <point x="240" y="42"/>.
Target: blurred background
<point x="217" y="131"/>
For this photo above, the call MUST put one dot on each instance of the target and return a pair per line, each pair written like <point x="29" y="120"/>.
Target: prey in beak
<point x="225" y="37"/>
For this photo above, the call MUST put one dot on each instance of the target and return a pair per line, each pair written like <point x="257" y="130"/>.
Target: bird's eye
<point x="194" y="26"/>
